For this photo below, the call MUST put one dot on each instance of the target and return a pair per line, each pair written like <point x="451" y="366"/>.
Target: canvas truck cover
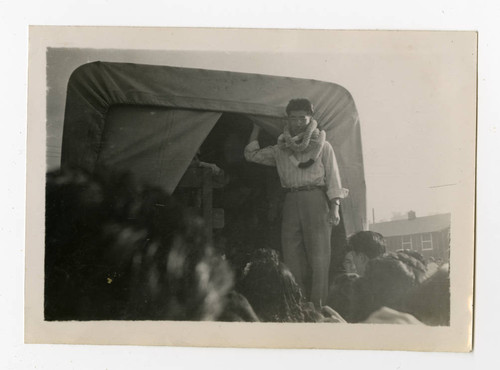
<point x="159" y="147"/>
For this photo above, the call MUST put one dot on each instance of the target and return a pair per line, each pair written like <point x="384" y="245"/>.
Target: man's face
<point x="299" y="119"/>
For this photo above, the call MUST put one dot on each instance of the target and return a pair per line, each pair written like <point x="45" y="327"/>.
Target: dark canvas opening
<point x="249" y="194"/>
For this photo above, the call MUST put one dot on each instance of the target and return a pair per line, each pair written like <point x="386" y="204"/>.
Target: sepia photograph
<point x="306" y="188"/>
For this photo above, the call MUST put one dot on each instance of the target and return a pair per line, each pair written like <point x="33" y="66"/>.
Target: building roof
<point x="418" y="225"/>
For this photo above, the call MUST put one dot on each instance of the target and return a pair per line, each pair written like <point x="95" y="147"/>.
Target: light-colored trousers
<point x="305" y="238"/>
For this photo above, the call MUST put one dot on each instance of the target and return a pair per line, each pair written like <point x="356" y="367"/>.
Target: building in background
<point x="428" y="235"/>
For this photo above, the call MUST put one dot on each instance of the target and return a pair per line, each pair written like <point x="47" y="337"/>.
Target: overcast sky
<point x="409" y="96"/>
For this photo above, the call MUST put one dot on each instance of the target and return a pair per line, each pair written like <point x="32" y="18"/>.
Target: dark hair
<point x="418" y="256"/>
<point x="300" y="104"/>
<point x="341" y="294"/>
<point x="368" y="242"/>
<point x="116" y="250"/>
<point x="430" y="301"/>
<point x="415" y="261"/>
<point x="271" y="289"/>
<point x="388" y="281"/>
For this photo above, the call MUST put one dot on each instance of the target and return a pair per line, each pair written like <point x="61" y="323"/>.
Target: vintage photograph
<point x="320" y="178"/>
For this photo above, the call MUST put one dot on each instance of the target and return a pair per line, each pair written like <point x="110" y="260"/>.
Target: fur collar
<point x="310" y="141"/>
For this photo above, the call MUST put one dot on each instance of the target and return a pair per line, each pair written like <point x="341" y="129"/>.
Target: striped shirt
<point x="324" y="172"/>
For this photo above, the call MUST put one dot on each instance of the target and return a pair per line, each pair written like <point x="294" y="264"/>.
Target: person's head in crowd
<point x="363" y="246"/>
<point x="271" y="289"/>
<point x="388" y="281"/>
<point x="367" y="242"/>
<point x="430" y="302"/>
<point x="116" y="250"/>
<point x="417" y="255"/>
<point x="416" y="261"/>
<point x="274" y="295"/>
<point x="341" y="294"/>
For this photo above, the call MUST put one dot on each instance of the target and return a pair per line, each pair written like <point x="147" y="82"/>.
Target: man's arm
<point x="253" y="152"/>
<point x="334" y="214"/>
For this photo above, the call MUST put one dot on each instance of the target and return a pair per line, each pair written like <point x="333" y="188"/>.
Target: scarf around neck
<point x="310" y="141"/>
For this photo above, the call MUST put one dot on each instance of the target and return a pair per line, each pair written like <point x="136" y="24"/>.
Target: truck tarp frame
<point x="195" y="99"/>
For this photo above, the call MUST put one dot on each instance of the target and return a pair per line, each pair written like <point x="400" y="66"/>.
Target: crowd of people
<point x="119" y="250"/>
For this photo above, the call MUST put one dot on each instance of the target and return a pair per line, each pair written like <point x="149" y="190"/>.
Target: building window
<point x="426" y="241"/>
<point x="406" y="242"/>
